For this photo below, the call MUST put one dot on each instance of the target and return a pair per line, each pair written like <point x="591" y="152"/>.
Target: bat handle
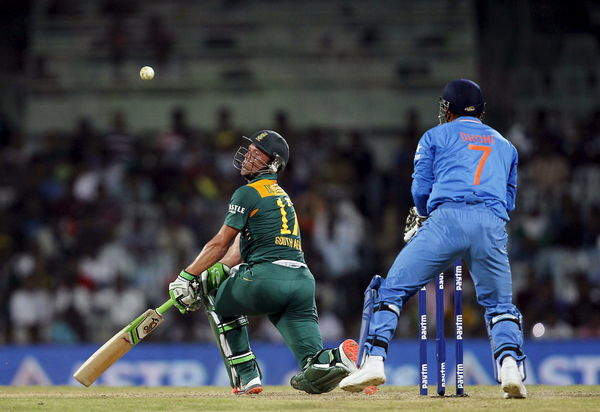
<point x="164" y="307"/>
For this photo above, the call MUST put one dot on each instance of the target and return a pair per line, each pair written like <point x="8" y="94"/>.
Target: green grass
<point x="279" y="398"/>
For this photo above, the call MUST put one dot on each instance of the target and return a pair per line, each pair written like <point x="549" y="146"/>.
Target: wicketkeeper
<point x="260" y="241"/>
<point x="464" y="186"/>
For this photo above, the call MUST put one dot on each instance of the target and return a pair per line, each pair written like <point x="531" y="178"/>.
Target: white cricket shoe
<point x="254" y="387"/>
<point x="371" y="373"/>
<point x="510" y="376"/>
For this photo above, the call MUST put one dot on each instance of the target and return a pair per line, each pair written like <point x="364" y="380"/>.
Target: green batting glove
<point x="213" y="277"/>
<point x="182" y="292"/>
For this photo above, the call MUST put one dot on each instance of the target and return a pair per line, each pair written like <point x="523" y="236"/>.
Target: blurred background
<point x="111" y="184"/>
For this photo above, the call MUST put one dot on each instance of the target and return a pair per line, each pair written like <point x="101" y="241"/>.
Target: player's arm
<point x="215" y="250"/>
<point x="182" y="291"/>
<point x="211" y="278"/>
<point x="233" y="256"/>
<point x="183" y="294"/>
<point x="423" y="174"/>
<point x="511" y="185"/>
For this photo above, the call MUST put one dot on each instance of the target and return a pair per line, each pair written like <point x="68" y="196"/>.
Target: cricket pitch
<point x="281" y="398"/>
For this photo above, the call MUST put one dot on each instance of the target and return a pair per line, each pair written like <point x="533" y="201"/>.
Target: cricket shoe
<point x="510" y="376"/>
<point x="253" y="387"/>
<point x="371" y="373"/>
<point x="348" y="352"/>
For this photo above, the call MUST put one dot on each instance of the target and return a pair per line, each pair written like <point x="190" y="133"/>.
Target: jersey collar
<point x="268" y="176"/>
<point x="470" y="119"/>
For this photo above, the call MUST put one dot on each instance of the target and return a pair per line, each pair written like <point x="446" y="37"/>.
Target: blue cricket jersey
<point x="465" y="161"/>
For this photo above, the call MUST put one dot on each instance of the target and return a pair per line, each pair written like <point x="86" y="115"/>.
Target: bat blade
<point x="120" y="344"/>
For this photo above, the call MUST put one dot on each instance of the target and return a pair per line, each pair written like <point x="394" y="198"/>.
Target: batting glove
<point x="212" y="277"/>
<point x="184" y="292"/>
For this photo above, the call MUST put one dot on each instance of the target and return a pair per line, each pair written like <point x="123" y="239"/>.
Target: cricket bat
<point x="120" y="344"/>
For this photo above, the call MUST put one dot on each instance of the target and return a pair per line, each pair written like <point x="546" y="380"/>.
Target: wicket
<point x="440" y="335"/>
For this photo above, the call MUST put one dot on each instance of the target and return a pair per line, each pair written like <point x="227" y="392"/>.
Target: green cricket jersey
<point x="265" y="215"/>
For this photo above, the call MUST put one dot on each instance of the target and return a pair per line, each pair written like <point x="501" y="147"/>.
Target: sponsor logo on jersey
<point x="233" y="209"/>
<point x="417" y="154"/>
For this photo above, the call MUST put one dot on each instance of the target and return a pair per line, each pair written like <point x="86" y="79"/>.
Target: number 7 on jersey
<point x="486" y="152"/>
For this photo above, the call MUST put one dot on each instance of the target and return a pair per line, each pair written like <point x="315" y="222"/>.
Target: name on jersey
<point x="266" y="188"/>
<point x="466" y="137"/>
<point x="289" y="242"/>
<point x="233" y="209"/>
<point x="273" y="189"/>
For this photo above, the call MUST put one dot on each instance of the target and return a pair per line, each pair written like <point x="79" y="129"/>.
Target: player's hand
<point x="212" y="277"/>
<point x="184" y="292"/>
<point x="413" y="222"/>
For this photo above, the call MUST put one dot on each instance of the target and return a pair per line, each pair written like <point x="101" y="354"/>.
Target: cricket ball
<point x="371" y="390"/>
<point x="147" y="73"/>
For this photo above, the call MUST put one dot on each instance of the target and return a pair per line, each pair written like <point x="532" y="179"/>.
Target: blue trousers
<point x="455" y="230"/>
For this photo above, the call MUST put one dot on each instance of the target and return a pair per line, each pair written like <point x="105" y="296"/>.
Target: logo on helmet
<point x="470" y="109"/>
<point x="261" y="136"/>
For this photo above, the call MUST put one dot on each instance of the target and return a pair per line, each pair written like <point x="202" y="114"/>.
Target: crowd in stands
<point x="94" y="224"/>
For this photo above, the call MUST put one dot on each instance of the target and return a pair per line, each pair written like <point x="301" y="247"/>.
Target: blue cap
<point x="464" y="97"/>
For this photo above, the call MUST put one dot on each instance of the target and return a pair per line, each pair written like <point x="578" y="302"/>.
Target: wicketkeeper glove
<point x="184" y="292"/>
<point x="413" y="222"/>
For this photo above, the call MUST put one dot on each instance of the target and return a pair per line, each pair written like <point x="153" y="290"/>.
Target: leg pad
<point x="320" y="377"/>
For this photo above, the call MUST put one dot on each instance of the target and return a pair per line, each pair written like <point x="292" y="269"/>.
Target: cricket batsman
<point x="464" y="186"/>
<point x="260" y="241"/>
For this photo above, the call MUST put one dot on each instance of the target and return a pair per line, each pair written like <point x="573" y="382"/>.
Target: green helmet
<point x="272" y="144"/>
